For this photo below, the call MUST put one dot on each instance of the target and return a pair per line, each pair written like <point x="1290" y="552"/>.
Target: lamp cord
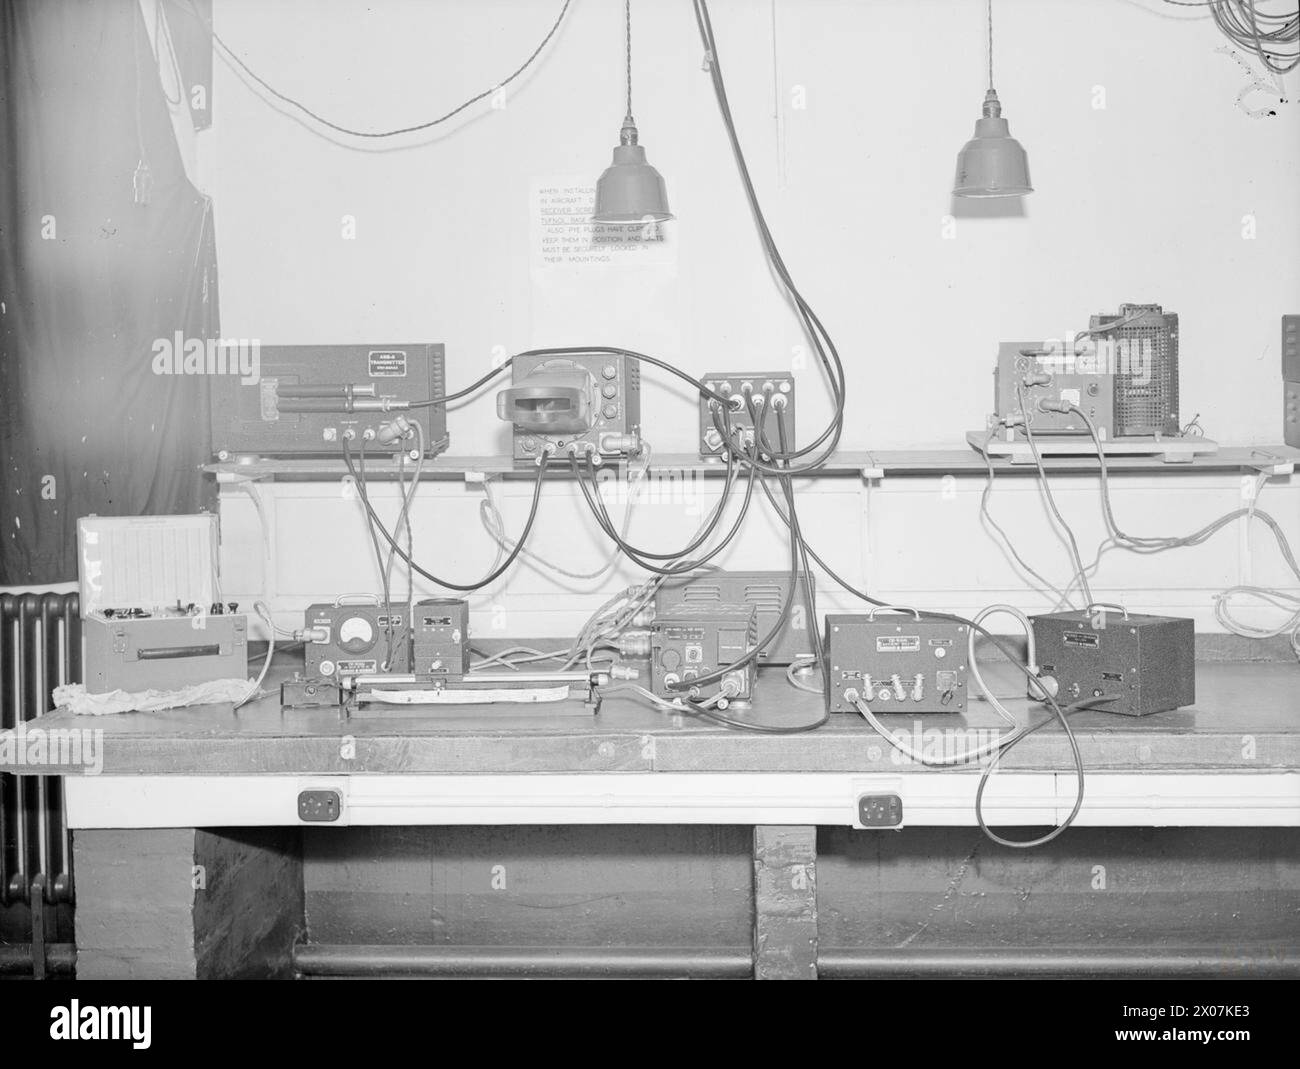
<point x="627" y="14"/>
<point x="990" y="44"/>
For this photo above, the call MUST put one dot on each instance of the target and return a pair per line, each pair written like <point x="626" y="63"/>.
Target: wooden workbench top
<point x="1247" y="716"/>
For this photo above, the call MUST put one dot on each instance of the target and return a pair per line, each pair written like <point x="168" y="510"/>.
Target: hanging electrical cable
<point x="237" y="60"/>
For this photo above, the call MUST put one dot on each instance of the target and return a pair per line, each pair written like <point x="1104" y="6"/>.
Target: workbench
<point x="198" y="808"/>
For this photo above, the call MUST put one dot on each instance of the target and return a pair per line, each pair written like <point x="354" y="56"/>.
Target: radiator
<point x="40" y="648"/>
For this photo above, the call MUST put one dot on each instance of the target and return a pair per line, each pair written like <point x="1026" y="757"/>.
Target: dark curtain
<point x="90" y="282"/>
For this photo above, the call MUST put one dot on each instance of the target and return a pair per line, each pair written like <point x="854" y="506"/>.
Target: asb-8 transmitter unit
<point x="308" y="398"/>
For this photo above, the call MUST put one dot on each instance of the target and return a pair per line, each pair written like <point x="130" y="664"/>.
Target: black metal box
<point x="689" y="641"/>
<point x="1149" y="661"/>
<point x="767" y="591"/>
<point x="765" y="385"/>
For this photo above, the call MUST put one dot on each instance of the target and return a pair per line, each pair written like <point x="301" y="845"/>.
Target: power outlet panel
<point x="880" y="811"/>
<point x="320" y="806"/>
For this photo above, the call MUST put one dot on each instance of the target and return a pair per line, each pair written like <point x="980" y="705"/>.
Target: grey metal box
<point x="163" y="652"/>
<point x="1291" y="379"/>
<point x="767" y="591"/>
<point x="737" y="386"/>
<point x="297" y="406"/>
<point x="1291" y="348"/>
<point x="1150" y="661"/>
<point x="694" y="640"/>
<point x="881" y="655"/>
<point x="358" y="639"/>
<point x="1081" y="380"/>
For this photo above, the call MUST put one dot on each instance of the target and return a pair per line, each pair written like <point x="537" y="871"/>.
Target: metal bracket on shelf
<point x="1270" y="463"/>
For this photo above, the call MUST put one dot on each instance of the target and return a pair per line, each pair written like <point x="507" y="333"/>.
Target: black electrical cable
<point x="474" y="387"/>
<point x="606" y="523"/>
<point x="643" y="558"/>
<point x="809" y="581"/>
<point x="752" y="654"/>
<point x="379" y="561"/>
<point x="680" y="567"/>
<point x="817" y="333"/>
<point x="1061" y="713"/>
<point x="359" y="479"/>
<point x="372" y="134"/>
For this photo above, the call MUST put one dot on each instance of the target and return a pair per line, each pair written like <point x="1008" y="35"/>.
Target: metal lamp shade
<point x="630" y="190"/>
<point x="992" y="163"/>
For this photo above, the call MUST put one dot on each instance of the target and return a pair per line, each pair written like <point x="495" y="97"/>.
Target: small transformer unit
<point x="896" y="664"/>
<point x="1149" y="661"/>
<point x="579" y="404"/>
<point x="689" y="641"/>
<point x="1123" y="374"/>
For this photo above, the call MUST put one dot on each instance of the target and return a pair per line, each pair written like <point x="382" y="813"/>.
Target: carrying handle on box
<point x="356" y="599"/>
<point x="1106" y="605"/>
<point x="892" y="608"/>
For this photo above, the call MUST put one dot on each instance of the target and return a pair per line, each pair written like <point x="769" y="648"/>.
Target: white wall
<point x="1146" y="199"/>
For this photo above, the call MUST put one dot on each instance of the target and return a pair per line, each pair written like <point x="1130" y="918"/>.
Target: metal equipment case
<point x="1150" y="661"/>
<point x="898" y="664"/>
<point x="767" y="591"/>
<point x="693" y="640"/>
<point x="582" y="402"/>
<point x="356" y="639"/>
<point x="440" y="637"/>
<point x="308" y="396"/>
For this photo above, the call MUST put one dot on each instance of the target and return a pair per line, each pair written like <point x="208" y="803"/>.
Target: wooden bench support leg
<point x="187" y="903"/>
<point x="785" y="903"/>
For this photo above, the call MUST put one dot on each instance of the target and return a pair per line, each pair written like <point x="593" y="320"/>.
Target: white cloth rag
<point x="73" y="697"/>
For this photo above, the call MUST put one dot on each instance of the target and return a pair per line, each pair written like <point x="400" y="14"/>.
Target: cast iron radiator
<point x="40" y="648"/>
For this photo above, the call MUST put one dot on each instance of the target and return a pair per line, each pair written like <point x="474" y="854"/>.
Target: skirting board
<point x="1112" y="799"/>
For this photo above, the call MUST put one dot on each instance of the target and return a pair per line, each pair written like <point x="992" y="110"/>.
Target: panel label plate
<point x="898" y="643"/>
<point x="1081" y="639"/>
<point x="387" y="363"/>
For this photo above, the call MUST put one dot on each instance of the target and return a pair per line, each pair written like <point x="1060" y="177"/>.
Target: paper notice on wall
<point x="614" y="284"/>
<point x="563" y="235"/>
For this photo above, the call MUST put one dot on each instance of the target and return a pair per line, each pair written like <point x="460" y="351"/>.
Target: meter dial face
<point x="356" y="634"/>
